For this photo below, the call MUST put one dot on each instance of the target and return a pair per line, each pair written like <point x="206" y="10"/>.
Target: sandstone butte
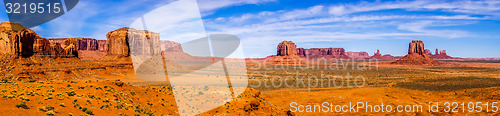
<point x="416" y="55"/>
<point x="286" y="54"/>
<point x="128" y="41"/>
<point x="17" y="41"/>
<point x="315" y="53"/>
<point x="290" y="50"/>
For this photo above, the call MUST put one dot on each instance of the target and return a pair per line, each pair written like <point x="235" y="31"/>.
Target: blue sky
<point x="463" y="28"/>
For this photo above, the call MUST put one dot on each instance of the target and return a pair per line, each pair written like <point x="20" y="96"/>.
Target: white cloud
<point x="485" y="7"/>
<point x="207" y="7"/>
<point x="420" y="27"/>
<point x="321" y="23"/>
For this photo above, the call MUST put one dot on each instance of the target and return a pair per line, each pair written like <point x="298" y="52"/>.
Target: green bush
<point x="72" y="93"/>
<point x="22" y="105"/>
<point x="50" y="113"/>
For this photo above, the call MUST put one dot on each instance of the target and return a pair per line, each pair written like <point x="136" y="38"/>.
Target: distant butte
<point x="416" y="55"/>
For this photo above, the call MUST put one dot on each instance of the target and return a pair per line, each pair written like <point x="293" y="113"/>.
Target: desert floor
<point x="100" y="90"/>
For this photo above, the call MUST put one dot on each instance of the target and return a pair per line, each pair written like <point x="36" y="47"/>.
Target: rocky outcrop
<point x="379" y="56"/>
<point x="144" y="42"/>
<point x="427" y="52"/>
<point x="287" y="48"/>
<point x="127" y="41"/>
<point x="315" y="53"/>
<point x="443" y="52"/>
<point x="87" y="44"/>
<point x="358" y="55"/>
<point x="80" y="43"/>
<point x="416" y="47"/>
<point x="102" y="45"/>
<point x="416" y="55"/>
<point x="286" y="54"/>
<point x="118" y="42"/>
<point x="19" y="41"/>
<point x="170" y="46"/>
<point x="440" y="55"/>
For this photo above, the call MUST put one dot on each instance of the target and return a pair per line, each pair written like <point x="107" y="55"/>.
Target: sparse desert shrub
<point x="88" y="111"/>
<point x="24" y="98"/>
<point x="72" y="93"/>
<point x="48" y="107"/>
<point x="22" y="105"/>
<point x="51" y="90"/>
<point x="104" y="106"/>
<point x="50" y="113"/>
<point x="10" y="96"/>
<point x="77" y="106"/>
<point x="31" y="81"/>
<point x="47" y="98"/>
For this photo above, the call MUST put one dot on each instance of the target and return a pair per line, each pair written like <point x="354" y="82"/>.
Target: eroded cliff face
<point x="102" y="45"/>
<point x="170" y="46"/>
<point x="127" y="41"/>
<point x="315" y="53"/>
<point x="358" y="55"/>
<point x="118" y="42"/>
<point x="287" y="48"/>
<point x="416" y="47"/>
<point x="87" y="44"/>
<point x="17" y="41"/>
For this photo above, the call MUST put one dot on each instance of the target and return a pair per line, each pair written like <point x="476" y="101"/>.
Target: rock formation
<point x="87" y="44"/>
<point x="427" y="52"/>
<point x="358" y="55"/>
<point x="440" y="55"/>
<point x="416" y="55"/>
<point x="102" y="45"/>
<point x="127" y="41"/>
<point x="378" y="53"/>
<point x="15" y="40"/>
<point x="286" y="54"/>
<point x="80" y="43"/>
<point x="170" y="46"/>
<point x="287" y="48"/>
<point x="117" y="43"/>
<point x="443" y="52"/>
<point x="379" y="56"/>
<point x="315" y="53"/>
<point x="416" y="46"/>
